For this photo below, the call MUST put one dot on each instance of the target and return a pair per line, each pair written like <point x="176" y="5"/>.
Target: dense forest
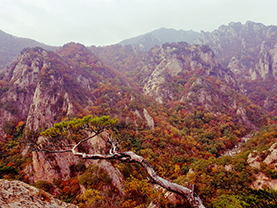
<point x="196" y="120"/>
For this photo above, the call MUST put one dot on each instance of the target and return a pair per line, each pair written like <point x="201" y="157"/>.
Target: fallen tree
<point x="58" y="139"/>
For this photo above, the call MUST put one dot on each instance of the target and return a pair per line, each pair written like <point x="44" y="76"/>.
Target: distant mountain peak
<point x="11" y="46"/>
<point x="161" y="36"/>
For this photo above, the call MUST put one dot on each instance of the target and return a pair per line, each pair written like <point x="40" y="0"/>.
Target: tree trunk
<point x="193" y="199"/>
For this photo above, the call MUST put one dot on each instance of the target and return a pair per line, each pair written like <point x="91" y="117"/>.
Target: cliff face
<point x="191" y="74"/>
<point x="19" y="194"/>
<point x="245" y="48"/>
<point x="20" y="82"/>
<point x="249" y="51"/>
<point x="171" y="60"/>
<point x="255" y="161"/>
<point x="48" y="166"/>
<point x="41" y="88"/>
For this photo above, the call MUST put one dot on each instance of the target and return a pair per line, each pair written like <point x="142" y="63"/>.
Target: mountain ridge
<point x="11" y="46"/>
<point x="180" y="106"/>
<point x="159" y="37"/>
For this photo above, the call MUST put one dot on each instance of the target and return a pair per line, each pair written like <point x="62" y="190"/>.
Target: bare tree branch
<point x="185" y="192"/>
<point x="95" y="126"/>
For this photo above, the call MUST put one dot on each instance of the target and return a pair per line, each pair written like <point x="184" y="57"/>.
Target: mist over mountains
<point x="231" y="70"/>
<point x="161" y="36"/>
<point x="183" y="99"/>
<point x="11" y="46"/>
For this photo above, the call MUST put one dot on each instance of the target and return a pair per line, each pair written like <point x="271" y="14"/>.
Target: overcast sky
<point x="105" y="22"/>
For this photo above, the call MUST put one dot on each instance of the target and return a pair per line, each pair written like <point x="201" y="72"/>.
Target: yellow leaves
<point x="20" y="124"/>
<point x="161" y="171"/>
<point x="129" y="203"/>
<point x="92" y="196"/>
<point x="177" y="169"/>
<point x="65" y="133"/>
<point x="191" y="140"/>
<point x="139" y="193"/>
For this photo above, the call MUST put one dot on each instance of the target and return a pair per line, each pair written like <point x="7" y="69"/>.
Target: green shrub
<point x="44" y="185"/>
<point x="94" y="177"/>
<point x="8" y="170"/>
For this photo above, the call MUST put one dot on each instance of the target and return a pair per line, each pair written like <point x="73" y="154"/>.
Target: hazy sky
<point x="105" y="22"/>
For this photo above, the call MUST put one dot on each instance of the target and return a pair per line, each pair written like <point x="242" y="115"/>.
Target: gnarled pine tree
<point x="58" y="139"/>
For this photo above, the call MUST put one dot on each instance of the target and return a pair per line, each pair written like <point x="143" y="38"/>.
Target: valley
<point x="183" y="100"/>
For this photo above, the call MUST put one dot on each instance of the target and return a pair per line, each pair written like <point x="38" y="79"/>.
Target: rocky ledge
<point x="19" y="194"/>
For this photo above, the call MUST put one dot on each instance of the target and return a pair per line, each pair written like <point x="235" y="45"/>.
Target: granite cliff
<point x="249" y="51"/>
<point x="176" y="102"/>
<point x="40" y="88"/>
<point x="243" y="48"/>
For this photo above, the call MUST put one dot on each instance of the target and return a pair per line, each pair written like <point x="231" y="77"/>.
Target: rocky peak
<point x="236" y="25"/>
<point x="74" y="50"/>
<point x="22" y="77"/>
<point x="27" y="66"/>
<point x="249" y="51"/>
<point x="242" y="47"/>
<point x="44" y="86"/>
<point x="171" y="59"/>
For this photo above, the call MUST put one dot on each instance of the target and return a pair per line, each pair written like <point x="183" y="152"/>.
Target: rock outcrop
<point x="245" y="48"/>
<point x="43" y="86"/>
<point x="18" y="194"/>
<point x="255" y="161"/>
<point x="149" y="119"/>
<point x="48" y="166"/>
<point x="170" y="60"/>
<point x="249" y="51"/>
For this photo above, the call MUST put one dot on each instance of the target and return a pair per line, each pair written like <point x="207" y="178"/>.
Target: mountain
<point x="159" y="37"/>
<point x="11" y="46"/>
<point x="42" y="86"/>
<point x="245" y="48"/>
<point x="121" y="58"/>
<point x="171" y="72"/>
<point x="249" y="50"/>
<point x="182" y="107"/>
